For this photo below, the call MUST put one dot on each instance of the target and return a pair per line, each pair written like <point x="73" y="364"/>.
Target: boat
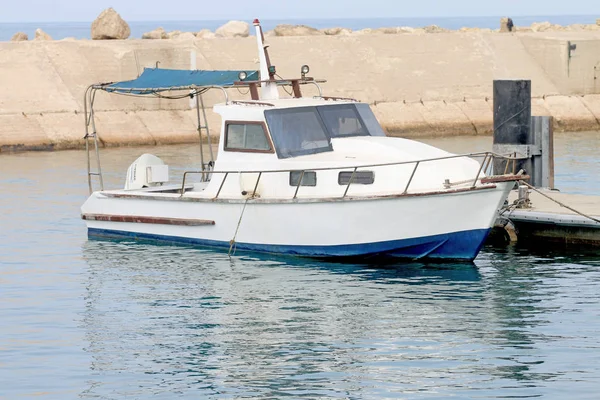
<point x="306" y="176"/>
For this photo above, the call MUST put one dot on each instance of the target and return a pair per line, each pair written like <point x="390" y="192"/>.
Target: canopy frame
<point x="129" y="88"/>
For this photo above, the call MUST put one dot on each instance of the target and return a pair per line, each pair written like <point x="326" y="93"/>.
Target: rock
<point x="19" y="37"/>
<point x="110" y="25"/>
<point x="386" y="31"/>
<point x="591" y="27"/>
<point x="185" y="36"/>
<point x="390" y="30"/>
<point x="418" y="31"/>
<point x="581" y="27"/>
<point x="408" y="29"/>
<point x="205" y="34"/>
<point x="233" y="29"/>
<point x="435" y="29"/>
<point x="523" y="29"/>
<point x="296" y="30"/>
<point x="506" y="25"/>
<point x="41" y="35"/>
<point x="575" y="27"/>
<point x="337" y="31"/>
<point x="541" y="26"/>
<point x="158" y="33"/>
<point x="477" y="30"/>
<point x="173" y="34"/>
<point x="598" y="22"/>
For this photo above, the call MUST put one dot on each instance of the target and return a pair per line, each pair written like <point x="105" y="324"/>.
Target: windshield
<point x="369" y="120"/>
<point x="297" y="131"/>
<point x="309" y="130"/>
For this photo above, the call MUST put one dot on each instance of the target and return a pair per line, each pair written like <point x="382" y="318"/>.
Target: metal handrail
<point x="480" y="154"/>
<point x="487" y="158"/>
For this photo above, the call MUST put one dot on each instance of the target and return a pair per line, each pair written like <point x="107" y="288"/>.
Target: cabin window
<point x="246" y="136"/>
<point x="360" y="177"/>
<point x="345" y="120"/>
<point x="308" y="179"/>
<point x="297" y="131"/>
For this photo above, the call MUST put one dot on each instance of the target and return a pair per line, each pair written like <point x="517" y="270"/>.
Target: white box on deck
<point x="157" y="173"/>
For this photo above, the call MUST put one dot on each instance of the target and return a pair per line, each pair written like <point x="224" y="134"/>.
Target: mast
<point x="267" y="71"/>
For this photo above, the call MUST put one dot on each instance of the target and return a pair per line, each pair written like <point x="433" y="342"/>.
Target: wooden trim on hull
<point x="146" y="220"/>
<point x="258" y="200"/>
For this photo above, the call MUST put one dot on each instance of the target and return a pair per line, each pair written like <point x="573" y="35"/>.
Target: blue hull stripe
<point x="463" y="245"/>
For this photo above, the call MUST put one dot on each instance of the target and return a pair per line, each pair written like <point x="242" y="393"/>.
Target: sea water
<point x="81" y="30"/>
<point x="115" y="320"/>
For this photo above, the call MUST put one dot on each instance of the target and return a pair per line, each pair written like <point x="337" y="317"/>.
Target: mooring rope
<point x="559" y="203"/>
<point x="232" y="241"/>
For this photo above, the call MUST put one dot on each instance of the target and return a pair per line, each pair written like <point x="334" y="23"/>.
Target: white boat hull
<point x="452" y="225"/>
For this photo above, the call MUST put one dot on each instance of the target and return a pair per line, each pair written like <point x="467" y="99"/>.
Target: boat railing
<point x="486" y="165"/>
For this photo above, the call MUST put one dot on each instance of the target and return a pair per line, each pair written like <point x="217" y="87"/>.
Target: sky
<point x="168" y="10"/>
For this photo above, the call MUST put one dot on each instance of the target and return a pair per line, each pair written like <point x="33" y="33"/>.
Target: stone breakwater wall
<point x="419" y="85"/>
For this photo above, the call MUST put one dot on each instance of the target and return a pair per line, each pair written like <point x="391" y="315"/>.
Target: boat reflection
<point x="187" y="319"/>
<point x="366" y="268"/>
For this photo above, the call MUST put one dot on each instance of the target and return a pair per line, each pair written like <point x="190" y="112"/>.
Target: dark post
<point x="543" y="152"/>
<point x="512" y="123"/>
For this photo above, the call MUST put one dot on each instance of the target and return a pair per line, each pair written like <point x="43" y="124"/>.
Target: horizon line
<point x="311" y="18"/>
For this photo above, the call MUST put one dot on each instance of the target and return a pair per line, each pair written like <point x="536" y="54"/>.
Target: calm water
<point x="80" y="30"/>
<point x="107" y="320"/>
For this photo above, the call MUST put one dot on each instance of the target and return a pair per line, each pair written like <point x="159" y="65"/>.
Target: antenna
<point x="267" y="71"/>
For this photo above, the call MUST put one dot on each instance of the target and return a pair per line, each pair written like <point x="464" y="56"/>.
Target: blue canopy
<point x="154" y="80"/>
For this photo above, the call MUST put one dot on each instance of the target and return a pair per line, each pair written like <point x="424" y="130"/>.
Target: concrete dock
<point x="434" y="84"/>
<point x="547" y="221"/>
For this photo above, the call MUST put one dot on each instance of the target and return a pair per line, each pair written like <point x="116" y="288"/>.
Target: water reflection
<point x="183" y="320"/>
